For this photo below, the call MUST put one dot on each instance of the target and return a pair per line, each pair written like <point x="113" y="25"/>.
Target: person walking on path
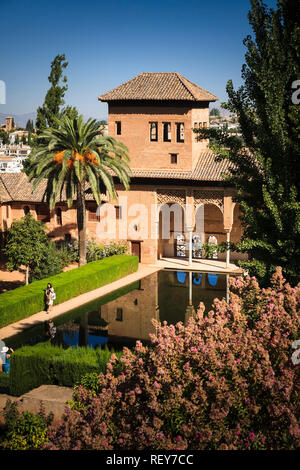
<point x="50" y="297"/>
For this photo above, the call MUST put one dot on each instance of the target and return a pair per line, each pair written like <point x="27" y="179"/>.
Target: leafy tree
<point x="73" y="155"/>
<point x="26" y="245"/>
<point x="215" y="112"/>
<point x="49" y="265"/>
<point x="54" y="98"/>
<point x="4" y="136"/>
<point x="265" y="162"/>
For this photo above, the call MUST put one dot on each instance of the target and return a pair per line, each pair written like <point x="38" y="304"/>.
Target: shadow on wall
<point x="62" y="230"/>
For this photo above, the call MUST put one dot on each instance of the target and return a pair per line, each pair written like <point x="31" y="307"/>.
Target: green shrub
<point x="4" y="381"/>
<point x="25" y="431"/>
<point x="49" y="265"/>
<point x="27" y="300"/>
<point x="90" y="382"/>
<point x="42" y="364"/>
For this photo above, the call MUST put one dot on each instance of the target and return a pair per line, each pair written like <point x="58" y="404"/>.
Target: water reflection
<point x="170" y="296"/>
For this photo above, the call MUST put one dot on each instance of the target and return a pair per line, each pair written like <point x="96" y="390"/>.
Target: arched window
<point x="26" y="210"/>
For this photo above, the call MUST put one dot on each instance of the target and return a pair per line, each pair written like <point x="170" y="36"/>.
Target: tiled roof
<point x="158" y="86"/>
<point x="15" y="186"/>
<point x="4" y="194"/>
<point x="206" y="169"/>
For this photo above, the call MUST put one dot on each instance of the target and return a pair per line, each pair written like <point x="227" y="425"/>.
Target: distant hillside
<point x="20" y="119"/>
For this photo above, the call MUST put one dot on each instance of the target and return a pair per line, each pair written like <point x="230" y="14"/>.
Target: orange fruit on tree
<point x="59" y="157"/>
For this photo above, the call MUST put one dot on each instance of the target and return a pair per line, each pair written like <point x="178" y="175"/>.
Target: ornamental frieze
<point x="204" y="196"/>
<point x="171" y="196"/>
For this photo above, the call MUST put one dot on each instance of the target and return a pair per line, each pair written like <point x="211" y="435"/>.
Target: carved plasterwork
<point x="171" y="196"/>
<point x="209" y="197"/>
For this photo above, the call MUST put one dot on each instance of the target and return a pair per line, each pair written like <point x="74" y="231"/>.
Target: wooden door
<point x="136" y="249"/>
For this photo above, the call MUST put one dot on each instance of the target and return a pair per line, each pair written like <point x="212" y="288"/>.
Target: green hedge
<point x="42" y="364"/>
<point x="27" y="300"/>
<point x="4" y="381"/>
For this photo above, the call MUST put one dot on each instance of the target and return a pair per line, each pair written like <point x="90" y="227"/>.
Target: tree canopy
<point x="265" y="161"/>
<point x="26" y="244"/>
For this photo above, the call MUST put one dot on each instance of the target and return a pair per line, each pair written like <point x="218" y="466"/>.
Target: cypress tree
<point x="54" y="98"/>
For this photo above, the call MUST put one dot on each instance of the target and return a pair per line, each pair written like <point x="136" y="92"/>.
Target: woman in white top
<point x="50" y="297"/>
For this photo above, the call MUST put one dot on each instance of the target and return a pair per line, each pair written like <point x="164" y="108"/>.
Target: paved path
<point x="14" y="328"/>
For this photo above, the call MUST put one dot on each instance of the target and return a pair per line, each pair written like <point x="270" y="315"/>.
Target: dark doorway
<point x="136" y="249"/>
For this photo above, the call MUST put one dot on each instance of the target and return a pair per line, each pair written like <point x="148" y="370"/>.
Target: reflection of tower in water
<point x="131" y="315"/>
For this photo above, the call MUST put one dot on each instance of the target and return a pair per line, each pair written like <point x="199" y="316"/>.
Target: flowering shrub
<point x="225" y="380"/>
<point x="96" y="251"/>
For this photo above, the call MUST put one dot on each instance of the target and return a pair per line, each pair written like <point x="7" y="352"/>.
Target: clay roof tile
<point x="165" y="86"/>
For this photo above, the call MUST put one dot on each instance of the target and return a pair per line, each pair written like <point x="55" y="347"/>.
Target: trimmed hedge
<point x="27" y="300"/>
<point x="4" y="382"/>
<point x="43" y="364"/>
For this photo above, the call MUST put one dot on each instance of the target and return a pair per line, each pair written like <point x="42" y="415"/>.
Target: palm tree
<point x="75" y="154"/>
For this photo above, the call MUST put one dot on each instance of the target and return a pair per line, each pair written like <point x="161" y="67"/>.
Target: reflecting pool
<point x="120" y="318"/>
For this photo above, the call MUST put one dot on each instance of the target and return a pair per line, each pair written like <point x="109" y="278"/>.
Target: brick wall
<point x="135" y="134"/>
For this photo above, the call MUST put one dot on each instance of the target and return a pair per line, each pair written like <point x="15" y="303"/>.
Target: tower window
<point x="153" y="132"/>
<point x="180" y="132"/>
<point x="118" y="127"/>
<point x="167" y="132"/>
<point x="173" y="157"/>
<point x="119" y="316"/>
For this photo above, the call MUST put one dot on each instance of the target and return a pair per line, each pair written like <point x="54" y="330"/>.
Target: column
<point x="227" y="288"/>
<point x="227" y="248"/>
<point x="190" y="229"/>
<point x="190" y="221"/>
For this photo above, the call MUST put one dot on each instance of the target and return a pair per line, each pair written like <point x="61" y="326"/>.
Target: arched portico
<point x="206" y="212"/>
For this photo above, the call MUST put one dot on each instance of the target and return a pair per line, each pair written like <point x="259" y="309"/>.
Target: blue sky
<point x="109" y="42"/>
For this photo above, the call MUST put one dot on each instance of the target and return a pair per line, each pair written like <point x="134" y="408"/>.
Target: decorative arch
<point x="171" y="196"/>
<point x="209" y="197"/>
